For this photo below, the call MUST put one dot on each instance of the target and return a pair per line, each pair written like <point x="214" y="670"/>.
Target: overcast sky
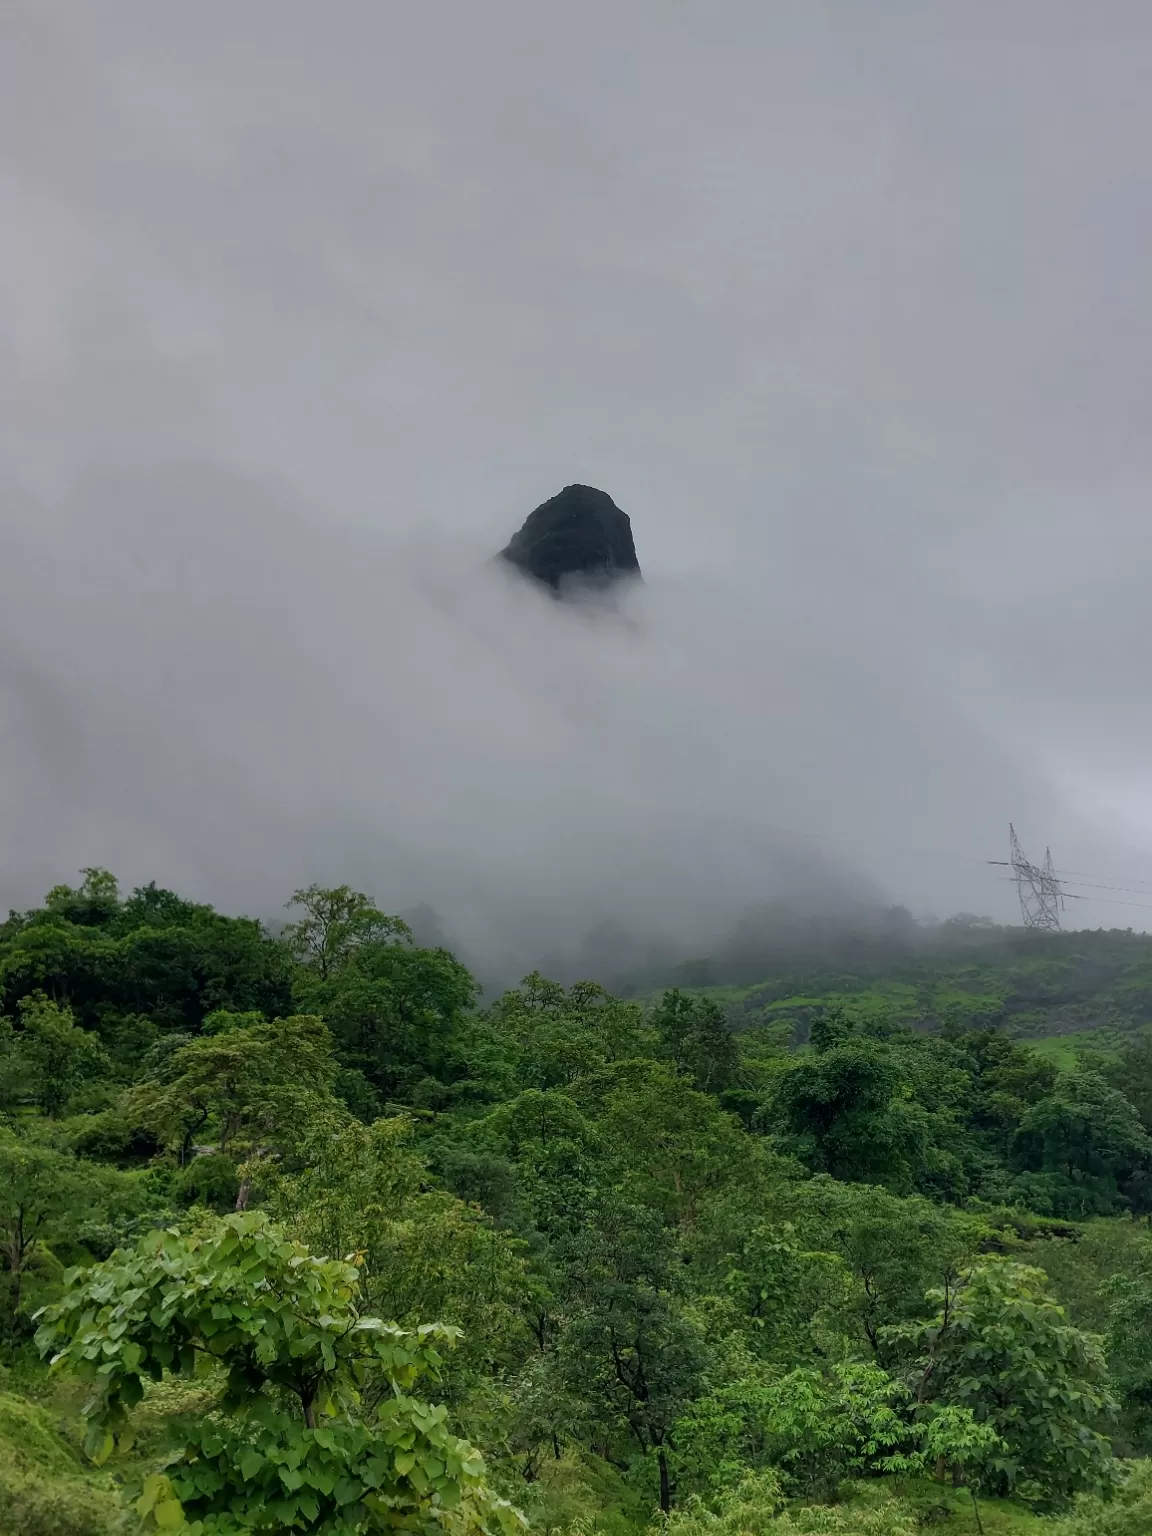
<point x="305" y="306"/>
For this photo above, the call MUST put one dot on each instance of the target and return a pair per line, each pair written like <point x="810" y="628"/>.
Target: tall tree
<point x="52" y="1055"/>
<point x="44" y="1194"/>
<point x="335" y="922"/>
<point x="672" y="1146"/>
<point x="843" y="1112"/>
<point x="396" y="1014"/>
<point x="541" y="1035"/>
<point x="1001" y="1346"/>
<point x="697" y="1039"/>
<point x="153" y="955"/>
<point x="630" y="1352"/>
<point x="1089" y="1134"/>
<point x="346" y="1187"/>
<point x="892" y="1248"/>
<point x="248" y="1084"/>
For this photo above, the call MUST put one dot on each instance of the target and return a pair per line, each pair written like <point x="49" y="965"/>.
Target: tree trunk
<point x="186" y="1144"/>
<point x="19" y="1252"/>
<point x="665" y="1485"/>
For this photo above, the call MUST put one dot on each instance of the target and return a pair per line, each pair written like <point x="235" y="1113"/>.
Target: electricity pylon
<point x="1041" y="899"/>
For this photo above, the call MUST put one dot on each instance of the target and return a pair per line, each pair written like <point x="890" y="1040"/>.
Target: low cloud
<point x="294" y="337"/>
<point x="204" y="684"/>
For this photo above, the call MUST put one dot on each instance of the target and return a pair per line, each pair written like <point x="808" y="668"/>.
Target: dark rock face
<point x="579" y="538"/>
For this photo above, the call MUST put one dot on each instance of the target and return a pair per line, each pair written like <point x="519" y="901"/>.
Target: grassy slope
<point x="47" y="1485"/>
<point x="45" y="1488"/>
<point x="1080" y="988"/>
<point x="935" y="1505"/>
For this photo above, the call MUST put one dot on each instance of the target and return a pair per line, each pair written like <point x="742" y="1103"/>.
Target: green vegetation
<point x="297" y="1233"/>
<point x="1089" y="988"/>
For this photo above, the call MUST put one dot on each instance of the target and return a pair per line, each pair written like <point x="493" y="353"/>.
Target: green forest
<point x="301" y="1233"/>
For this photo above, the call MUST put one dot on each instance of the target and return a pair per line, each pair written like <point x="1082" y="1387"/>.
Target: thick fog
<point x="304" y="308"/>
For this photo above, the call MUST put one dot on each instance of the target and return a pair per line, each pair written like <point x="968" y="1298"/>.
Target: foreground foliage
<point x="289" y="1447"/>
<point x="759" y="1262"/>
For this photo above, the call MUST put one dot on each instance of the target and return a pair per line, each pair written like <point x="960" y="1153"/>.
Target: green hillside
<point x="1096" y="986"/>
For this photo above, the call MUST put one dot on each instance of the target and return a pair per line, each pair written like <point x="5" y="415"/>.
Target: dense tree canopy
<point x="730" y="1265"/>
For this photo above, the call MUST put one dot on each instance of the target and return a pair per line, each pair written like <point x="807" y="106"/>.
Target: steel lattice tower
<point x="1041" y="899"/>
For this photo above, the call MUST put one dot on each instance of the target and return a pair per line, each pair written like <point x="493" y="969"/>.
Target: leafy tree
<point x="879" y="1104"/>
<point x="539" y="1166"/>
<point x="555" y="1151"/>
<point x="959" y="1443"/>
<point x="1087" y="1256"/>
<point x="341" y="1177"/>
<point x="52" y="1055"/>
<point x="72" y="964"/>
<point x="1127" y="1295"/>
<point x="815" y="1427"/>
<point x="843" y="1112"/>
<point x="288" y="1449"/>
<point x="893" y="1248"/>
<point x="537" y="1415"/>
<point x="210" y="1180"/>
<point x="1000" y="1346"/>
<point x="1126" y="1512"/>
<point x="396" y="1013"/>
<point x="1006" y="1078"/>
<point x="1131" y="1073"/>
<point x="336" y="922"/>
<point x="93" y="904"/>
<point x="153" y="955"/>
<point x="786" y="1300"/>
<point x="179" y="971"/>
<point x="43" y="1193"/>
<point x="672" y="1146"/>
<point x="1087" y="1132"/>
<point x="346" y="1187"/>
<point x="821" y="1428"/>
<point x="151" y="906"/>
<point x="110" y="1137"/>
<point x="248" y="1085"/>
<point x="539" y="1035"/>
<point x="696" y="1038"/>
<point x="629" y="1351"/>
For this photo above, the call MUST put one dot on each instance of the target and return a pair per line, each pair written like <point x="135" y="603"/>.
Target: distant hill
<point x="1082" y="987"/>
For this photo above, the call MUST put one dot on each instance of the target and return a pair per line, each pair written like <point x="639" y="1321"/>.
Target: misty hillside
<point x="1028" y="985"/>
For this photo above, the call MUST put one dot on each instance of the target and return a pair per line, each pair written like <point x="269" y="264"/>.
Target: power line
<point x="1088" y="875"/>
<point x="1101" y="901"/>
<point x="1087" y="885"/>
<point x="1064" y="876"/>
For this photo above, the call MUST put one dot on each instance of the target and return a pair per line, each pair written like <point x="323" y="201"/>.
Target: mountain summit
<point x="578" y="538"/>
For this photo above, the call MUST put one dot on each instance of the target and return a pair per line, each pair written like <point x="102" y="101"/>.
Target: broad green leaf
<point x="168" y="1515"/>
